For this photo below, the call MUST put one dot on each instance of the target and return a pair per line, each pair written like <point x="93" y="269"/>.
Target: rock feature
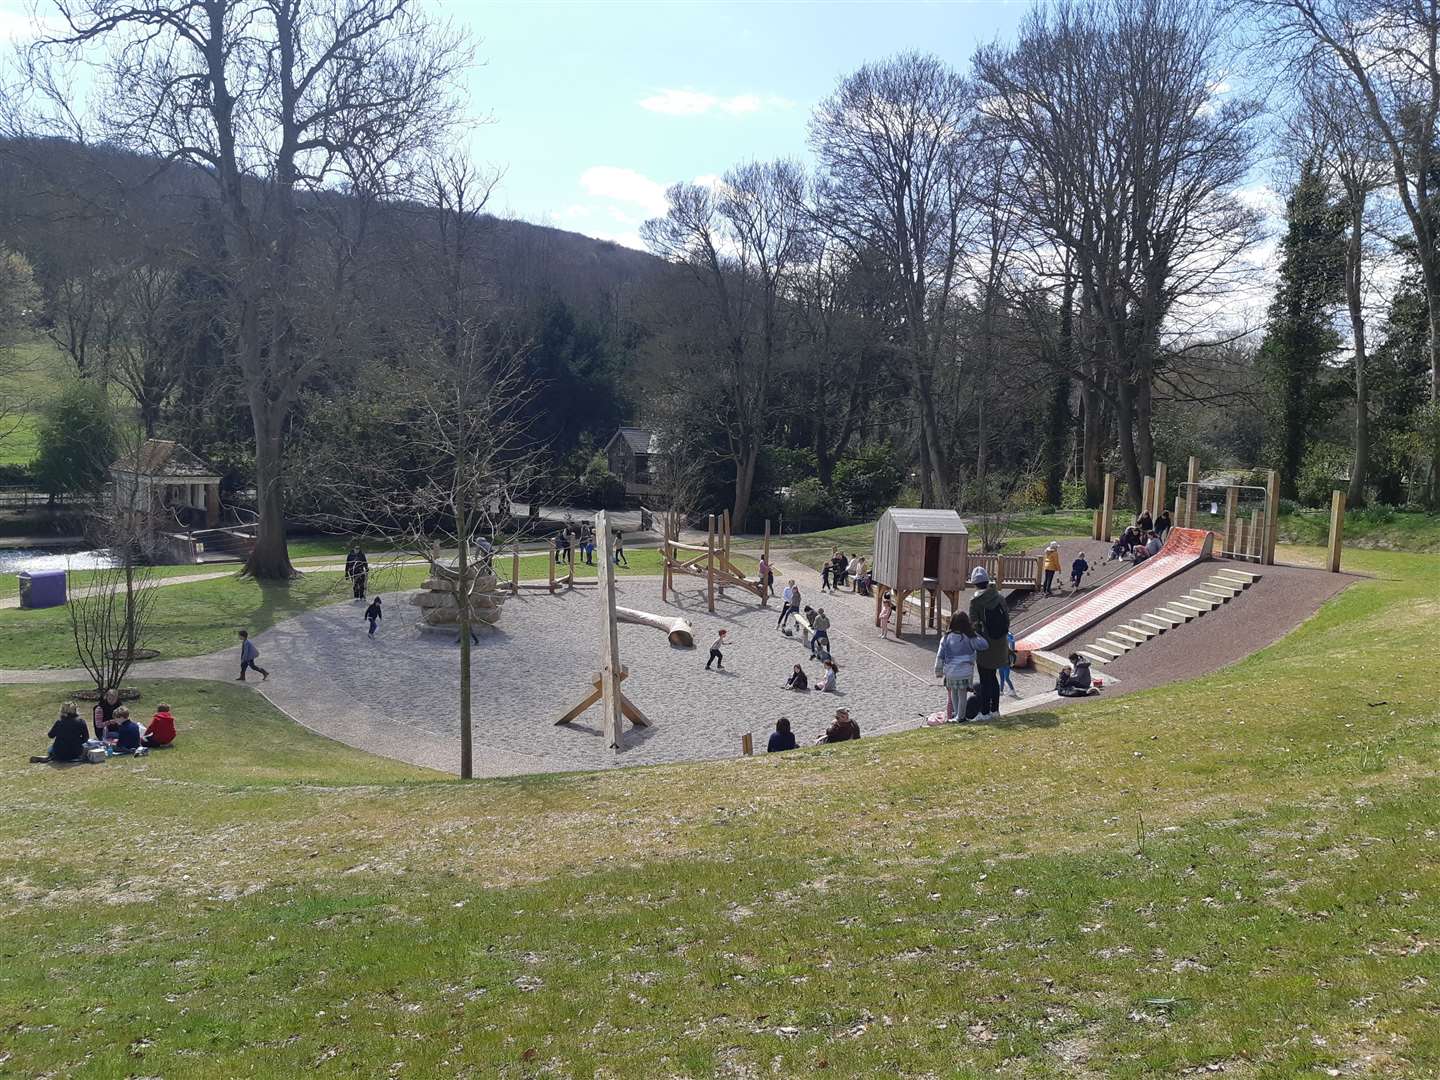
<point x="439" y="604"/>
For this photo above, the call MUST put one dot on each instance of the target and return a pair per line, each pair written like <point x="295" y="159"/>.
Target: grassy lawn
<point x="1233" y="876"/>
<point x="1403" y="532"/>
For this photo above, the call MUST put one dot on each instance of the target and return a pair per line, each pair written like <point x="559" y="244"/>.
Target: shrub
<point x="868" y="480"/>
<point x="1321" y="473"/>
<point x="808" y="506"/>
<point x="602" y="487"/>
<point x="77" y="441"/>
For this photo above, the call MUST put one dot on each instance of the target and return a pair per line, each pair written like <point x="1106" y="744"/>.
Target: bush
<point x="1374" y="514"/>
<point x="1289" y="506"/>
<point x="808" y="507"/>
<point x="1321" y="472"/>
<point x="77" y="441"/>
<point x="1072" y="495"/>
<point x="600" y="486"/>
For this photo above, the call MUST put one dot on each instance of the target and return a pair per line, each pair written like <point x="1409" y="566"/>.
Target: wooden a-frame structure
<point x="711" y="562"/>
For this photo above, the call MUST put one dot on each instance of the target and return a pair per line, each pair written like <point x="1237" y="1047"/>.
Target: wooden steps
<point x="1220" y="588"/>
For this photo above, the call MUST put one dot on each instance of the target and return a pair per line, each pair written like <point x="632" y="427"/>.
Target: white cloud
<point x="674" y="102"/>
<point x="574" y="212"/>
<point x="625" y="186"/>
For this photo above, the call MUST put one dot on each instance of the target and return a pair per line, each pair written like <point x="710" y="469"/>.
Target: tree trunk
<point x="744" y="482"/>
<point x="270" y="559"/>
<point x="1354" y="254"/>
<point x="1092" y="446"/>
<point x="1125" y="430"/>
<point x="1432" y="299"/>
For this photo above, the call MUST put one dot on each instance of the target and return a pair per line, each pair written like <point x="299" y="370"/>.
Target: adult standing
<point x="991" y="620"/>
<point x="357" y="569"/>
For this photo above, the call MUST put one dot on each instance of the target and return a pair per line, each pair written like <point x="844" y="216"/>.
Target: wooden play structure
<point x="606" y="685"/>
<point x="711" y="562"/>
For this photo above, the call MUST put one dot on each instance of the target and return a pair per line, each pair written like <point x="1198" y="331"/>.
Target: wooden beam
<point x="710" y="568"/>
<point x="1192" y="492"/>
<point x="1158" y="495"/>
<point x="551" y="561"/>
<point x="1107" y="509"/>
<point x="1147" y="495"/>
<point x="1337" y="529"/>
<point x="1232" y="503"/>
<point x="609" y="634"/>
<point x="515" y="571"/>
<point x="1272" y="517"/>
<point x="765" y="554"/>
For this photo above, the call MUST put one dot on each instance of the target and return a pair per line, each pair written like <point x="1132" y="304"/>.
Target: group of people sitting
<point x="116" y="732"/>
<point x="841" y="729"/>
<point x="826" y="682"/>
<point x="1142" y="539"/>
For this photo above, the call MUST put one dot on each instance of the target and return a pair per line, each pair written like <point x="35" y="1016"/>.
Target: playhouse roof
<point x="640" y="440"/>
<point x="164" y="458"/>
<point x="931" y="522"/>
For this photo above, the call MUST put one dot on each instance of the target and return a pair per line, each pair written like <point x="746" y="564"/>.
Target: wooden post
<point x="1147" y="495"/>
<point x="1272" y="518"/>
<point x="515" y="571"/>
<point x="765" y="554"/>
<point x="747" y="744"/>
<point x="570" y="560"/>
<point x="1192" y="492"/>
<point x="664" y="568"/>
<point x="1257" y="535"/>
<point x="1179" y="510"/>
<point x="609" y="634"/>
<point x="710" y="567"/>
<point x="1337" y="528"/>
<point x="879" y="591"/>
<point x="1232" y="503"/>
<point x="551" y="561"/>
<point x="1107" y="508"/>
<point x="1239" y="549"/>
<point x="1095" y="525"/>
<point x="1158" y="494"/>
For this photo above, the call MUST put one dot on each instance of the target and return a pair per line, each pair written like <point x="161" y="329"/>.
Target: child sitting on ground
<point x="798" y="679"/>
<point x="1074" y="681"/>
<point x="161" y="731"/>
<point x="127" y="734"/>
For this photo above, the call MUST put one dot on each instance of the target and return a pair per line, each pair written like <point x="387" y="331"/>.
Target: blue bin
<point x="42" y="588"/>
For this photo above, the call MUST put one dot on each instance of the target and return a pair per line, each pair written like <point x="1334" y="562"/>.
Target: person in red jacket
<point x="161" y="731"/>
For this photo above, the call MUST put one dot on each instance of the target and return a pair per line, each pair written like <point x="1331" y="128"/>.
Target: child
<point x="887" y="608"/>
<point x="1077" y="571"/>
<point x="1004" y="672"/>
<point x="374" y="614"/>
<point x="248" y="655"/>
<point x="161" y="731"/>
<point x="1052" y="566"/>
<point x="825" y="569"/>
<point x="828" y="680"/>
<point x="127" y="735"/>
<point x="1074" y="681"/>
<point x="716" y="656"/>
<point x="820" y="638"/>
<point x="620" y="559"/>
<point x="798" y="680"/>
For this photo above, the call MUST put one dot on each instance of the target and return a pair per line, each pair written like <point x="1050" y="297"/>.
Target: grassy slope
<point x="1403" y="532"/>
<point x="1234" y="873"/>
<point x="43" y="368"/>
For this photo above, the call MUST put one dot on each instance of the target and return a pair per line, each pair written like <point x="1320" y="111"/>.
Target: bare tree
<point x="1332" y="128"/>
<point x="890" y="140"/>
<point x="1388" y="51"/>
<point x="1132" y="163"/>
<point x="741" y="242"/>
<point x="276" y="101"/>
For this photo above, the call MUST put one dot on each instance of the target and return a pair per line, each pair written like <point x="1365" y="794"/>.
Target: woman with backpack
<point x="991" y="619"/>
<point x="955" y="661"/>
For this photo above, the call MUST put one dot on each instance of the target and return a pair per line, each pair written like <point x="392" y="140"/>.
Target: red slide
<point x="1183" y="548"/>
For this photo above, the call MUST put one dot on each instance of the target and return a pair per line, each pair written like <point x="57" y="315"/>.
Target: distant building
<point x="629" y="454"/>
<point x="163" y="484"/>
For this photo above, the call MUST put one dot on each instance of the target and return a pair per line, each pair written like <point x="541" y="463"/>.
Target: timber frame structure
<point x="711" y="562"/>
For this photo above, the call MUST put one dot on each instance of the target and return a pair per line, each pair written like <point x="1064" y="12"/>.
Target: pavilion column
<point x="212" y="504"/>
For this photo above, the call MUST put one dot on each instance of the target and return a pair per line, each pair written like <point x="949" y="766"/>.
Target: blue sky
<point x="597" y="106"/>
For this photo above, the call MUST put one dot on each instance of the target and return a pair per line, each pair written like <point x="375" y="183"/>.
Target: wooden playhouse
<point x="924" y="552"/>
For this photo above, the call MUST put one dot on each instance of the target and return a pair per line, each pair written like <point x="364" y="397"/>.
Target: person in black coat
<point x="357" y="569"/>
<point x="782" y="738"/>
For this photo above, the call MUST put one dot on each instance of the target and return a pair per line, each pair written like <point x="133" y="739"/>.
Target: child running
<point x="374" y="614"/>
<point x="1077" y="571"/>
<point x="716" y="656"/>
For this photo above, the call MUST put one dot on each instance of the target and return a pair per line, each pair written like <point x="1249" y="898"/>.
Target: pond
<point x="23" y="560"/>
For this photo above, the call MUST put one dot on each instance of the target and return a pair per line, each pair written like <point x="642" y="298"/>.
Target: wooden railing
<point x="1007" y="571"/>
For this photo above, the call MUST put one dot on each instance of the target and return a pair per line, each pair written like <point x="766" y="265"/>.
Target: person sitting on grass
<point x="842" y="730"/>
<point x="161" y="731"/>
<point x="67" y="737"/>
<point x="827" y="681"/>
<point x="782" y="738"/>
<point x="1074" y="681"/>
<point x="105" y="713"/>
<point x="1077" y="571"/>
<point x="126" y="735"/>
<point x="798" y="680"/>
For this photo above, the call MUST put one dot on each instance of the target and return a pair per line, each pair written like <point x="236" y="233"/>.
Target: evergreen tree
<point x="1399" y="387"/>
<point x="1300" y="339"/>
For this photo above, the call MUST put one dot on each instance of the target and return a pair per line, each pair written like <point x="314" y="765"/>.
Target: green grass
<point x="1236" y="874"/>
<point x="43" y="369"/>
<point x="1405" y="531"/>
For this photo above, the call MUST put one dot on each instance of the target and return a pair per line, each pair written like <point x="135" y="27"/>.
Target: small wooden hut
<point x="920" y="551"/>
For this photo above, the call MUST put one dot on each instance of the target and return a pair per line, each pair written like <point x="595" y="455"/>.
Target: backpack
<point x="997" y="622"/>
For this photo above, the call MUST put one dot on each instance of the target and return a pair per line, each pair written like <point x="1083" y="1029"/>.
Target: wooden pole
<point x="570" y="560"/>
<point x="1161" y="480"/>
<point x="710" y="567"/>
<point x="1239" y="549"/>
<point x="551" y="561"/>
<point x="765" y="554"/>
<point x="1107" y="508"/>
<point x="1337" y="528"/>
<point x="1232" y="503"/>
<point x="1272" y="518"/>
<point x="747" y="744"/>
<point x="1147" y="495"/>
<point x="609" y="635"/>
<point x="1095" y="525"/>
<point x="665" y="570"/>
<point x="1178" y="516"/>
<point x="1192" y="496"/>
<point x="515" y="571"/>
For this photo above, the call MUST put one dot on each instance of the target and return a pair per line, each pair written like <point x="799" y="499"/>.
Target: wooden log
<point x="679" y="631"/>
<point x="1232" y="503"/>
<point x="1192" y="492"/>
<point x="609" y="633"/>
<point x="1272" y="518"/>
<point x="1337" y="529"/>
